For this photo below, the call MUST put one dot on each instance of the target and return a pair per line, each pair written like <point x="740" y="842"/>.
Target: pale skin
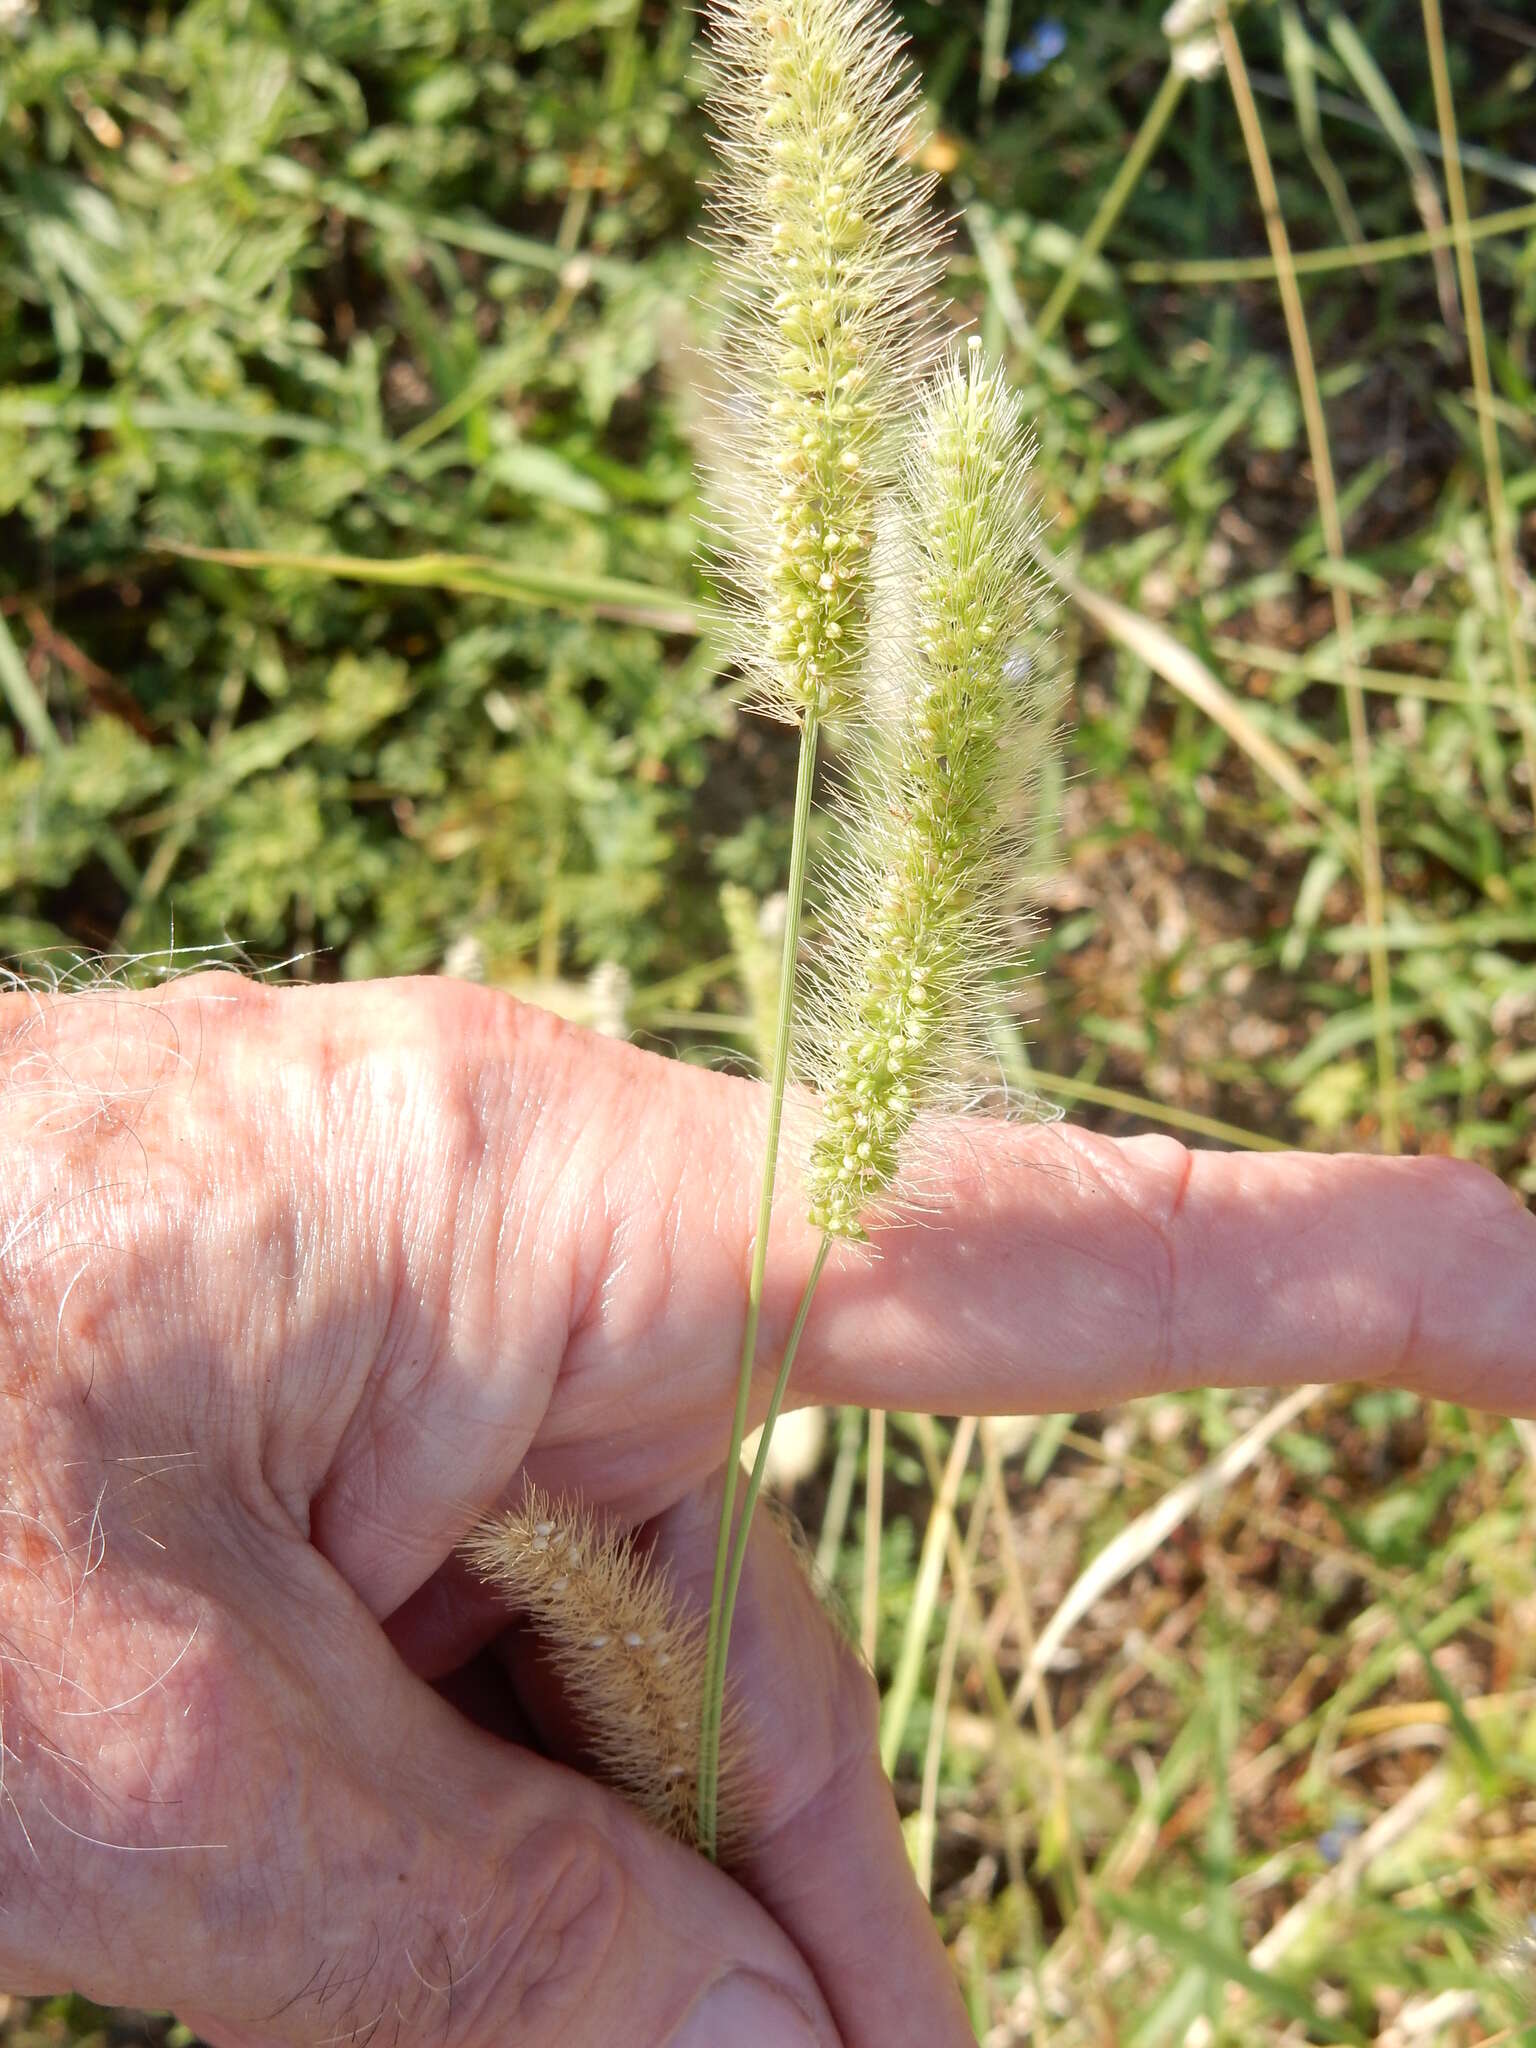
<point x="294" y="1283"/>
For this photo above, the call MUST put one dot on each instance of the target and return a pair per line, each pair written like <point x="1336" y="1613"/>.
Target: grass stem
<point x="24" y="697"/>
<point x="874" y="1519"/>
<point x="715" y="1656"/>
<point x="914" y="1642"/>
<point x="1063" y="1820"/>
<point x="960" y="1605"/>
<point x="994" y="49"/>
<point x="1110" y="207"/>
<point x="1482" y="384"/>
<point x="1513" y="220"/>
<point x="760" y="1462"/>
<point x="1333" y="541"/>
<point x="845" y="1470"/>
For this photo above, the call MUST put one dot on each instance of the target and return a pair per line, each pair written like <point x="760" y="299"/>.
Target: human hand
<point x="294" y="1283"/>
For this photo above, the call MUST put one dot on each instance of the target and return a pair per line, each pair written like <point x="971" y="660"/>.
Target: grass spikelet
<point x="830" y="256"/>
<point x="632" y="1663"/>
<point x="959" y="725"/>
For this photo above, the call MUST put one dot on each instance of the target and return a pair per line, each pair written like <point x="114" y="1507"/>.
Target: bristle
<point x="830" y="257"/>
<point x="959" y="725"/>
<point x="632" y="1663"/>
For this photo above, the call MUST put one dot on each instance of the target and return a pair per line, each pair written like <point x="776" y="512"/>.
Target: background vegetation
<point x="1224" y="1733"/>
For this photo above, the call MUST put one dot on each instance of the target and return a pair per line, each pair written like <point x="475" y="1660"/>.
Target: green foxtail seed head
<point x="960" y="728"/>
<point x="830" y="257"/>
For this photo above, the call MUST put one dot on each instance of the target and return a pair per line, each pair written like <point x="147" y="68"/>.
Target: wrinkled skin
<point x="295" y="1283"/>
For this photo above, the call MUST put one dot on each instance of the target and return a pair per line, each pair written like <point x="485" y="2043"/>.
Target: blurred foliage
<point x="225" y="319"/>
<point x="72" y="2022"/>
<point x="402" y="279"/>
<point x="412" y="279"/>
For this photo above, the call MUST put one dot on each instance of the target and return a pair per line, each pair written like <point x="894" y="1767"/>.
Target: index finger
<point x="1049" y="1268"/>
<point x="1071" y="1270"/>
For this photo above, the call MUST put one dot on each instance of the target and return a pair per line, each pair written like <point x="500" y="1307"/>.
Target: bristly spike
<point x="830" y="256"/>
<point x="631" y="1660"/>
<point x="960" y="715"/>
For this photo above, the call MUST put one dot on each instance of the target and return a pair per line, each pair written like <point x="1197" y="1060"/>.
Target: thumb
<point x="825" y="1852"/>
<point x="355" y="1860"/>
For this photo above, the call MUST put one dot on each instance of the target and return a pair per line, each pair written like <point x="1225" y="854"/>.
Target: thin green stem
<point x="994" y="47"/>
<point x="845" y="1470"/>
<point x="715" y="1652"/>
<point x="1121" y="186"/>
<point x="24" y="698"/>
<point x="1331" y="521"/>
<point x="874" y="1517"/>
<point x="760" y="1462"/>
<point x="1513" y="220"/>
<point x="1499" y="519"/>
<point x="925" y="1594"/>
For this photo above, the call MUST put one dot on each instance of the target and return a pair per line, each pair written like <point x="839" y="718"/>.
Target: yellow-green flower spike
<point x="830" y="260"/>
<point x="936" y="831"/>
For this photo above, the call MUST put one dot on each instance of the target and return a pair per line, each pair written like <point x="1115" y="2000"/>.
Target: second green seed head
<point x="937" y="826"/>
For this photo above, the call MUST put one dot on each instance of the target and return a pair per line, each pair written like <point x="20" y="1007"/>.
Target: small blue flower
<point x="1333" y="1842"/>
<point x="1042" y="46"/>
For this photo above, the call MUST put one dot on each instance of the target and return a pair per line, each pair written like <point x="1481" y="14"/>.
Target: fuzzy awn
<point x="631" y="1661"/>
<point x="829" y="256"/>
<point x="919" y="926"/>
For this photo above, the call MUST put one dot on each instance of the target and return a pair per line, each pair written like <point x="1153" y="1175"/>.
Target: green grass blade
<point x="21" y="693"/>
<point x="1231" y="1967"/>
<point x="478" y="575"/>
<point x="1383" y="103"/>
<point x="1512" y="220"/>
